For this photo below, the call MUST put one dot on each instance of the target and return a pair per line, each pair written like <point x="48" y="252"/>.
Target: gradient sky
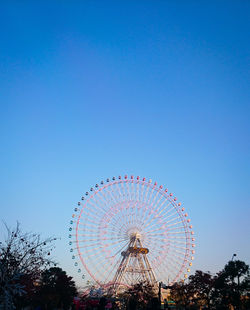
<point x="92" y="89"/>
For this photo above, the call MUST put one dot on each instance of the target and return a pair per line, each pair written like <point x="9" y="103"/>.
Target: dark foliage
<point x="23" y="257"/>
<point x="202" y="286"/>
<point x="228" y="288"/>
<point x="57" y="289"/>
<point x="183" y="294"/>
<point x="139" y="296"/>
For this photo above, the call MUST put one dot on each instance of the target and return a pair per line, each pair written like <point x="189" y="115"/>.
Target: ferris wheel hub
<point x="135" y="235"/>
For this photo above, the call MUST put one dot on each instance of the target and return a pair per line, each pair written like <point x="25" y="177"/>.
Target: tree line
<point x="229" y="288"/>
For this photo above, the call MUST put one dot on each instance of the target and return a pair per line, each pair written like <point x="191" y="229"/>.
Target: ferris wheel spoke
<point x="156" y="213"/>
<point x="100" y="257"/>
<point x="123" y="191"/>
<point x="89" y="222"/>
<point x="171" y="259"/>
<point x="130" y="217"/>
<point x="177" y="254"/>
<point x="179" y="228"/>
<point x="167" y="208"/>
<point x="118" y="190"/>
<point x="127" y="217"/>
<point x="90" y="254"/>
<point x="126" y="194"/>
<point x="123" y="218"/>
<point x="121" y="248"/>
<point x="157" y="228"/>
<point x="177" y="242"/>
<point x="144" y="206"/>
<point x="138" y="198"/>
<point x="162" y="203"/>
<point x="173" y="224"/>
<point x="172" y="270"/>
<point x="150" y="210"/>
<point x="176" y="237"/>
<point x="153" y="205"/>
<point x="174" y="247"/>
<point x="104" y="197"/>
<point x="101" y="202"/>
<point x="90" y="248"/>
<point x="114" y="198"/>
<point x="86" y="225"/>
<point x="164" y="226"/>
<point x="89" y="215"/>
<point x="175" y="233"/>
<point x="168" y="215"/>
<point x="177" y="265"/>
<point x="150" y="193"/>
<point x="97" y="237"/>
<point x="113" y="195"/>
<point x="141" y="205"/>
<point x="166" y="266"/>
<point x="93" y="205"/>
<point x="145" y="193"/>
<point x="83" y="231"/>
<point x="134" y="190"/>
<point x="106" y="201"/>
<point x="128" y="190"/>
<point x="97" y="271"/>
<point x="111" y="273"/>
<point x="105" y="262"/>
<point x="93" y="243"/>
<point x="156" y="234"/>
<point x="173" y="221"/>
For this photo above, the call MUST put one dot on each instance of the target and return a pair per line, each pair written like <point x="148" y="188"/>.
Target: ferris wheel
<point x="129" y="229"/>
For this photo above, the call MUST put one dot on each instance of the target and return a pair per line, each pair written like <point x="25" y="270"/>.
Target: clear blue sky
<point x="92" y="89"/>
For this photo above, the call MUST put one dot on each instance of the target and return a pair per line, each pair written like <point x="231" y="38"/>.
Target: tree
<point x="246" y="292"/>
<point x="57" y="289"/>
<point x="23" y="256"/>
<point x="238" y="270"/>
<point x="182" y="293"/>
<point x="139" y="296"/>
<point x="202" y="284"/>
<point x="227" y="291"/>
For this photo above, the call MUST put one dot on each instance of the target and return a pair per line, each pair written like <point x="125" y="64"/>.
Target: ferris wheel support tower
<point x="134" y="264"/>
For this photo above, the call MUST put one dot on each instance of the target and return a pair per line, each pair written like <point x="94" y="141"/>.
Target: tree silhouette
<point x="202" y="284"/>
<point x="231" y="290"/>
<point x="23" y="256"/>
<point x="236" y="269"/>
<point x="230" y="287"/>
<point x="183" y="294"/>
<point x="57" y="289"/>
<point x="139" y="296"/>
